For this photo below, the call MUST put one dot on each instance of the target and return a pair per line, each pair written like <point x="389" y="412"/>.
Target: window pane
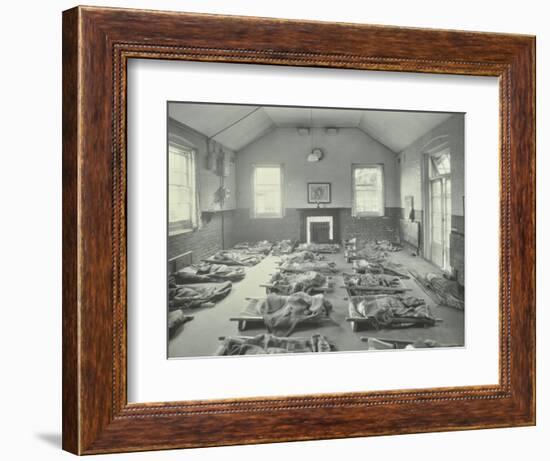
<point x="440" y="164"/>
<point x="436" y="205"/>
<point x="436" y="235"/>
<point x="367" y="200"/>
<point x="368" y="176"/>
<point x="267" y="191"/>
<point x="368" y="190"/>
<point x="268" y="175"/>
<point x="181" y="190"/>
<point x="436" y="188"/>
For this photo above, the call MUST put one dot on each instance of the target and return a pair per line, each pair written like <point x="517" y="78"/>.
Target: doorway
<point x="438" y="216"/>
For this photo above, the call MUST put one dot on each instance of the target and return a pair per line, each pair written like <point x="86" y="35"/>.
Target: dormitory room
<point x="299" y="229"/>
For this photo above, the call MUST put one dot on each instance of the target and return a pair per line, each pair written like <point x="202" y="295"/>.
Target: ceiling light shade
<point x="315" y="155"/>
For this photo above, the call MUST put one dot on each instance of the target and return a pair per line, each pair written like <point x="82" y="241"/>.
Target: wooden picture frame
<point x="97" y="44"/>
<point x="327" y="193"/>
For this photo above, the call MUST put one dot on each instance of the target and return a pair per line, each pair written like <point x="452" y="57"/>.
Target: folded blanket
<point x="195" y="295"/>
<point x="269" y="344"/>
<point x="287" y="284"/>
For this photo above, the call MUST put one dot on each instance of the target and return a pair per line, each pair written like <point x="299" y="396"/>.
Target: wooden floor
<point x="199" y="337"/>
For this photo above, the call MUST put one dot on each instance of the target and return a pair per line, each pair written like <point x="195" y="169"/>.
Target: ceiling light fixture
<point x="316" y="154"/>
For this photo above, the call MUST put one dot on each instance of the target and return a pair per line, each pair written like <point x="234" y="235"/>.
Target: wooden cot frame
<point x="97" y="45"/>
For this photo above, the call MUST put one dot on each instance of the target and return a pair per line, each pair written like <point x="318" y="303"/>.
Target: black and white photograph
<point x="318" y="192"/>
<point x="371" y="258"/>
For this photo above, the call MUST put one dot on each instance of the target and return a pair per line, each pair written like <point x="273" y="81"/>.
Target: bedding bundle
<point x="381" y="344"/>
<point x="372" y="280"/>
<point x="283" y="247"/>
<point x="369" y="254"/>
<point x="269" y="344"/>
<point x="302" y="257"/>
<point x="445" y="291"/>
<point x="263" y="246"/>
<point x="306" y="282"/>
<point x="362" y="266"/>
<point x="320" y="247"/>
<point x="208" y="272"/>
<point x="196" y="294"/>
<point x="175" y="320"/>
<point x="317" y="266"/>
<point x="281" y="314"/>
<point x="391" y="311"/>
<point x="235" y="258"/>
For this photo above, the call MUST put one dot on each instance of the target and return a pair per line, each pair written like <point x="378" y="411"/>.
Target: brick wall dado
<point x="288" y="227"/>
<point x="207" y="240"/>
<point x="372" y="228"/>
<point x="248" y="229"/>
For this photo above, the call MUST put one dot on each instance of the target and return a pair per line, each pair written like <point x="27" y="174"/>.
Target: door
<point x="440" y="220"/>
<point x="439" y="203"/>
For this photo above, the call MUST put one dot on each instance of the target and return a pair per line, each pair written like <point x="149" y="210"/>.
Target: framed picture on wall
<point x="318" y="192"/>
<point x="220" y="297"/>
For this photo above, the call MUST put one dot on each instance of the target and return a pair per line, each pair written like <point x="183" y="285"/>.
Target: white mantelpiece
<point x="315" y="219"/>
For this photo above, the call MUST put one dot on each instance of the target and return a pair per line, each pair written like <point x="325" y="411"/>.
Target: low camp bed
<point x="357" y="290"/>
<point x="250" y="317"/>
<point x="358" y="321"/>
<point x="279" y="287"/>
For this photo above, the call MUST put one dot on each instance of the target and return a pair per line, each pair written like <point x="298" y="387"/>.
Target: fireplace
<point x="319" y="225"/>
<point x="319" y="229"/>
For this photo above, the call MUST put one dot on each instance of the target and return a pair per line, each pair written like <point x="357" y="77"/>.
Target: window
<point x="182" y="200"/>
<point x="440" y="164"/>
<point x="267" y="185"/>
<point x="368" y="190"/>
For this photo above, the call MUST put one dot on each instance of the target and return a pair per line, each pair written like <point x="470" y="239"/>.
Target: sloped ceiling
<point x="236" y="126"/>
<point x="398" y="130"/>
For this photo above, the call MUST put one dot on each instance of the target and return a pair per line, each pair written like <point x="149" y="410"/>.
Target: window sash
<point x="368" y="195"/>
<point x="267" y="191"/>
<point x="181" y="188"/>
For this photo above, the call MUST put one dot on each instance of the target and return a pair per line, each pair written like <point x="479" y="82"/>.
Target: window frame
<point x="183" y="226"/>
<point x="363" y="214"/>
<point x="253" y="212"/>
